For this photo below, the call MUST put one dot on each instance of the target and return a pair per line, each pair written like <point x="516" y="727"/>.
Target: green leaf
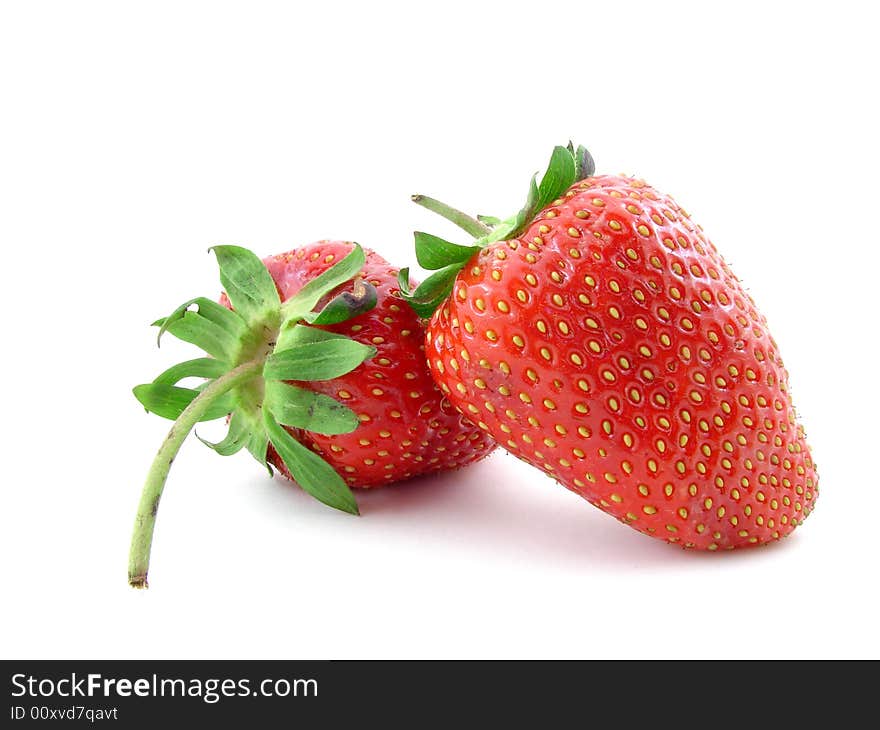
<point x="403" y="282"/>
<point x="236" y="437"/>
<point x="258" y="446"/>
<point x="311" y="411"/>
<point x="435" y="253"/>
<point x="309" y="470"/>
<point x="559" y="177"/>
<point x="210" y="326"/>
<point x="346" y="305"/>
<point x="169" y="401"/>
<point x="317" y="361"/>
<point x="192" y="327"/>
<point x="512" y="226"/>
<point x="296" y="334"/>
<point x="247" y="283"/>
<point x="201" y="367"/>
<point x="431" y="292"/>
<point x="307" y="297"/>
<point x="584" y="163"/>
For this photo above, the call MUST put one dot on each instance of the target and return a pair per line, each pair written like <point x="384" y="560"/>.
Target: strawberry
<point x="599" y="336"/>
<point x="406" y="427"/>
<point x="321" y="368"/>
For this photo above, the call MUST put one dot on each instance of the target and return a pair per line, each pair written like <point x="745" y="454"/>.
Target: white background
<point x="134" y="136"/>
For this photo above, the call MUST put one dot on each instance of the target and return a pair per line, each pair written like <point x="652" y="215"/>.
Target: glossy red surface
<point x="611" y="347"/>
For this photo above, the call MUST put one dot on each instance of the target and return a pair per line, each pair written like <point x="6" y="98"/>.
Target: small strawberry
<point x="311" y="352"/>
<point x="599" y="336"/>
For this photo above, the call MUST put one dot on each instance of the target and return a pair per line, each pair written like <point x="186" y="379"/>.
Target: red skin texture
<point x="407" y="427"/>
<point x="616" y="351"/>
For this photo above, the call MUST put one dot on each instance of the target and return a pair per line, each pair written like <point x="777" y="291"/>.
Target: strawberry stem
<point x="145" y="522"/>
<point x="467" y="223"/>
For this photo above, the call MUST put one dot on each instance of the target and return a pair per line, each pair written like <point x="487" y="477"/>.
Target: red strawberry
<point x="600" y="337"/>
<point x="407" y="426"/>
<point x="313" y="353"/>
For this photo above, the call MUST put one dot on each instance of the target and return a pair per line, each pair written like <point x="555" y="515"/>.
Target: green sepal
<point x="317" y="360"/>
<point x="436" y="253"/>
<point x="302" y="408"/>
<point x="236" y="437"/>
<point x="258" y="446"/>
<point x="431" y="292"/>
<point x="560" y="175"/>
<point x="200" y="367"/>
<point x="297" y="334"/>
<point x="567" y="165"/>
<point x="309" y="470"/>
<point x="307" y="297"/>
<point x="210" y="326"/>
<point x="169" y="401"/>
<point x="247" y="283"/>
<point x="346" y="306"/>
<point x="584" y="163"/>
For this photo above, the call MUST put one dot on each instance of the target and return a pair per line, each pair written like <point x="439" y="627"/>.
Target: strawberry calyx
<point x="567" y="165"/>
<point x="253" y="350"/>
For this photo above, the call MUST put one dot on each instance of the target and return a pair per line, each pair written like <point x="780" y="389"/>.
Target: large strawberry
<point x="599" y="336"/>
<point x="321" y="368"/>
